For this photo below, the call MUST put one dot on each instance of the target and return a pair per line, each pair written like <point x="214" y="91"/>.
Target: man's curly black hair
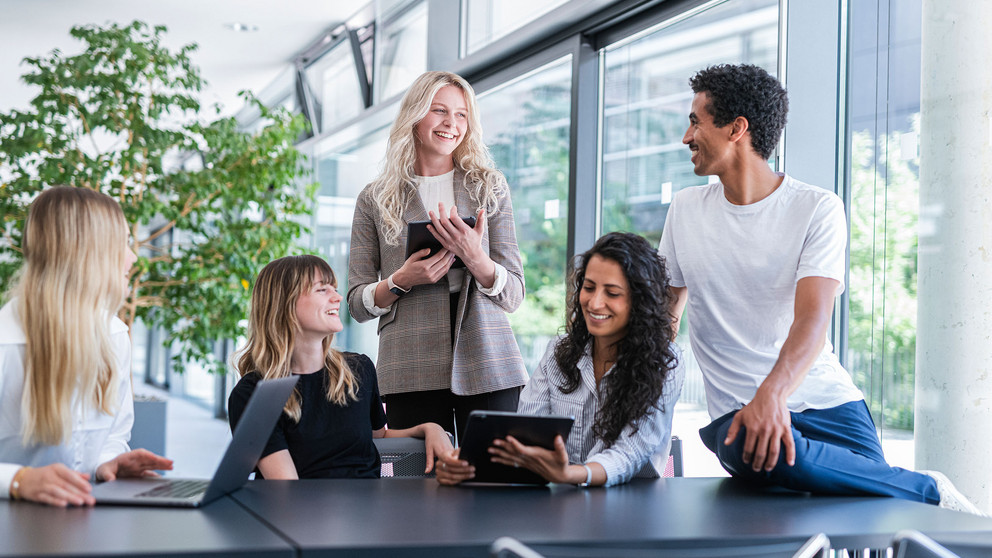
<point x="644" y="355"/>
<point x="749" y="91"/>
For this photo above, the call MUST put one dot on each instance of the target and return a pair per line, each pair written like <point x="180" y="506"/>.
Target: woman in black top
<point x="328" y="424"/>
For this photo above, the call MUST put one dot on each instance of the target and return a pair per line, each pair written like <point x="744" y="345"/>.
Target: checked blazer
<point x="415" y="349"/>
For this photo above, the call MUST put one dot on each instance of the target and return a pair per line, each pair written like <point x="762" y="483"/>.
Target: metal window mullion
<point x="363" y="77"/>
<point x="584" y="153"/>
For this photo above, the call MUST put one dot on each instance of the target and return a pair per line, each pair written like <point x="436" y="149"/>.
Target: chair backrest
<point x="673" y="466"/>
<point x="669" y="466"/>
<point x="914" y="544"/>
<point x="817" y="546"/>
<point x="402" y="457"/>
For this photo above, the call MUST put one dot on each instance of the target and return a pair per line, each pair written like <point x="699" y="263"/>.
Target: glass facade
<point x="883" y="205"/>
<point x="343" y="165"/>
<point x="401" y="51"/>
<point x="486" y="21"/>
<point x="334" y="84"/>
<point x="526" y="124"/>
<point x="646" y="100"/>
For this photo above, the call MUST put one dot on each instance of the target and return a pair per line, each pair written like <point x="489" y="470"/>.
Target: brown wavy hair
<point x="272" y="328"/>
<point x="644" y="355"/>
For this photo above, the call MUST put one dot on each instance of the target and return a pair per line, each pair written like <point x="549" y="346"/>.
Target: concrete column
<point x="954" y="340"/>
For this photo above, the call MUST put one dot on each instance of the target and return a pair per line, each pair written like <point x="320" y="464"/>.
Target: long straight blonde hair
<point x="273" y="325"/>
<point x="393" y="189"/>
<point x="71" y="283"/>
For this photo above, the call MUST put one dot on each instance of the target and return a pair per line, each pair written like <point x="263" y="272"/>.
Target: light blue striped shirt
<point x="631" y="451"/>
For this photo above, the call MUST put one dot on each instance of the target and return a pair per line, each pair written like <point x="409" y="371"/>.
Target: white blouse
<point x="96" y="437"/>
<point x="632" y="451"/>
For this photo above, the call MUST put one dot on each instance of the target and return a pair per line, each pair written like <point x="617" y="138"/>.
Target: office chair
<point x="673" y="466"/>
<point x="817" y="546"/>
<point x="914" y="544"/>
<point x="402" y="457"/>
<point x="670" y="466"/>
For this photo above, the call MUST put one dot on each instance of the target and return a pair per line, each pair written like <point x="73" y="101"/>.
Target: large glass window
<point x="334" y="84"/>
<point x="646" y="99"/>
<point x="402" y="47"/>
<point x="526" y="124"/>
<point x="485" y="21"/>
<point x="343" y="166"/>
<point x="884" y="111"/>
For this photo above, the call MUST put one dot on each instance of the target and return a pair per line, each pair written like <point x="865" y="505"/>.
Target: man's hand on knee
<point x="768" y="427"/>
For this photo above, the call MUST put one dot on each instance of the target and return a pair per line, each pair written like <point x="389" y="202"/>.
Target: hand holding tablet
<point x="419" y="237"/>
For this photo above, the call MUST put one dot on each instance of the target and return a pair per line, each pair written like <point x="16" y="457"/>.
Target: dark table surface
<point x="223" y="528"/>
<point x="419" y="517"/>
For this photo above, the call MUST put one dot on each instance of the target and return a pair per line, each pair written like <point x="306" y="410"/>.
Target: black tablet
<point x="533" y="430"/>
<point x="418" y="238"/>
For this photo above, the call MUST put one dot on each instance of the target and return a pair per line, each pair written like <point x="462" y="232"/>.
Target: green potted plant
<point x="208" y="202"/>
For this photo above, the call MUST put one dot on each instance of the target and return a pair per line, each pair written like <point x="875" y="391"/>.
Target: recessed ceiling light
<point x="242" y="27"/>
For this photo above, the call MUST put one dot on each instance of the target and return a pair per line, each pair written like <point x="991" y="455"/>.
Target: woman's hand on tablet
<point x="450" y="470"/>
<point x="423" y="269"/>
<point x="464" y="241"/>
<point x="552" y="465"/>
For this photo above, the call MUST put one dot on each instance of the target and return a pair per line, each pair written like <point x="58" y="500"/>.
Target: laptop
<point x="532" y="430"/>
<point x="250" y="436"/>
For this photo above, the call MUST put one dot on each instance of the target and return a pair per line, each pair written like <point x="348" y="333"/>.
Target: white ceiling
<point x="229" y="60"/>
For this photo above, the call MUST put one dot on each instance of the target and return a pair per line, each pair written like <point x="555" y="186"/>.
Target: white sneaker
<point x="950" y="497"/>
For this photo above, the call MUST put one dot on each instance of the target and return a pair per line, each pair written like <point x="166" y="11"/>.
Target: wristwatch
<point x="394" y="288"/>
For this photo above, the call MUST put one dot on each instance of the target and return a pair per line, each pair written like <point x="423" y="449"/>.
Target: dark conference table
<point x="222" y="528"/>
<point x="417" y="517"/>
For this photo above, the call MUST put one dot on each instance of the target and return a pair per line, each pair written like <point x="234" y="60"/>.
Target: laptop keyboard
<point x="185" y="489"/>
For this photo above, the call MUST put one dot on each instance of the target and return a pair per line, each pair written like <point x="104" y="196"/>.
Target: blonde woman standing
<point x="65" y="378"/>
<point x="328" y="424"/>
<point x="445" y="344"/>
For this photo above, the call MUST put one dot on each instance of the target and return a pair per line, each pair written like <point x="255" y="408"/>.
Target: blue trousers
<point x="837" y="452"/>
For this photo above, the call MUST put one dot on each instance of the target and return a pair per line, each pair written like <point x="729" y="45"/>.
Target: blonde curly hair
<point x="393" y="189"/>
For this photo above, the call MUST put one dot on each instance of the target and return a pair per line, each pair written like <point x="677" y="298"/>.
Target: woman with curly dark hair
<point x="616" y="370"/>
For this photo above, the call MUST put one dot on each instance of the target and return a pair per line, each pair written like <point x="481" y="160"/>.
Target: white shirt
<point x="434" y="190"/>
<point x="741" y="264"/>
<point x="632" y="450"/>
<point x="96" y="437"/>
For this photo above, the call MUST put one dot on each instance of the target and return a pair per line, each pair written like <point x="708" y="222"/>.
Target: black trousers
<point x="405" y="410"/>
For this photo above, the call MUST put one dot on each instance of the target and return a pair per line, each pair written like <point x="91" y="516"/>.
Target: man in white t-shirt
<point x="760" y="257"/>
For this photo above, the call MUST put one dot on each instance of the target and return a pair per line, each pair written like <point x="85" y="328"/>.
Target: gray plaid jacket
<point x="415" y="350"/>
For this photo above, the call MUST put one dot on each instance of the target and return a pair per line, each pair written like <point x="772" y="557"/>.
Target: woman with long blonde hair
<point x="445" y="343"/>
<point x="65" y="378"/>
<point x="328" y="424"/>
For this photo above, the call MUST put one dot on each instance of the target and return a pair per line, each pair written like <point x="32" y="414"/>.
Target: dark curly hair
<point x="749" y="91"/>
<point x="644" y="355"/>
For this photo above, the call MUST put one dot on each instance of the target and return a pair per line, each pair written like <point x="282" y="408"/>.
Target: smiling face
<point x="317" y="309"/>
<point x="441" y="131"/>
<point x="710" y="146"/>
<point x="605" y="300"/>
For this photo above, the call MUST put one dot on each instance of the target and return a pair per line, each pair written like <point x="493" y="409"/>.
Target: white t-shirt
<point x="741" y="264"/>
